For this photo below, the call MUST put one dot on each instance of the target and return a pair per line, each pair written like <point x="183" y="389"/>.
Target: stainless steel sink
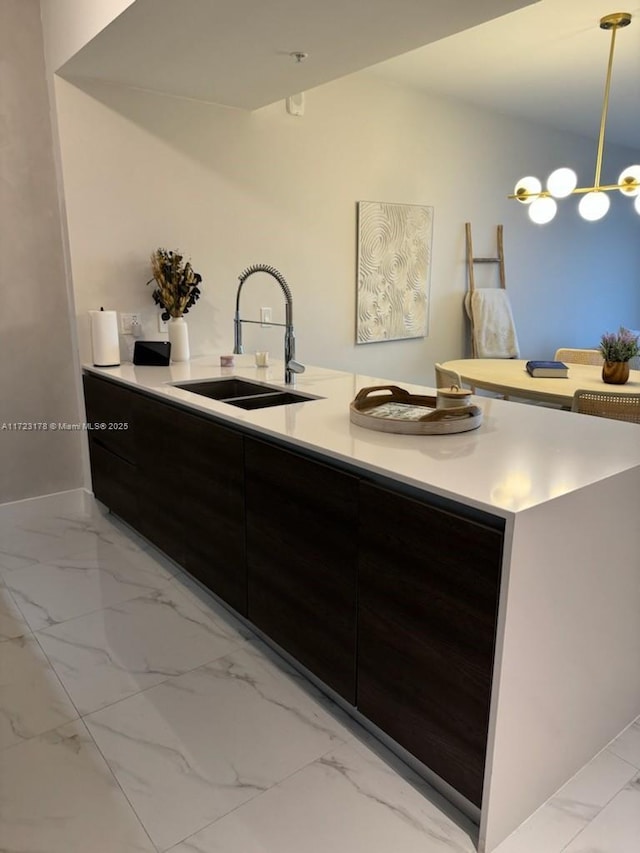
<point x="222" y="389"/>
<point x="244" y="394"/>
<point x="264" y="401"/>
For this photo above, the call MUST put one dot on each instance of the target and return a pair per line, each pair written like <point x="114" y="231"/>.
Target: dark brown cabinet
<point x="163" y="491"/>
<point x="111" y="404"/>
<point x="302" y="553"/>
<point x="388" y="598"/>
<point x="192" y="501"/>
<point x="179" y="482"/>
<point x="428" y="599"/>
<point x="109" y="411"/>
<point x="212" y="491"/>
<point x="114" y="482"/>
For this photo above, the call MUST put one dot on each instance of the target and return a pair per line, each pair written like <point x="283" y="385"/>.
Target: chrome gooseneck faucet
<point x="291" y="366"/>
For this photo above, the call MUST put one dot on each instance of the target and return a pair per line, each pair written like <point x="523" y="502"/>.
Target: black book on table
<point x="547" y="369"/>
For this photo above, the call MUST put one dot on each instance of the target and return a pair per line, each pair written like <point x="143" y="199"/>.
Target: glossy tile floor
<point x="136" y="714"/>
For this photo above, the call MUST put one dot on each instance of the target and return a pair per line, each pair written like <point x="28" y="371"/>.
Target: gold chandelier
<point x="563" y="182"/>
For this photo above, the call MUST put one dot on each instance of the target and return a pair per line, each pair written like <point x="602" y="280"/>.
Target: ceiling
<point x="543" y="61"/>
<point x="238" y="52"/>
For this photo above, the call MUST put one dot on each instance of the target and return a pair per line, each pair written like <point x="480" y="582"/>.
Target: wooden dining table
<point x="509" y="376"/>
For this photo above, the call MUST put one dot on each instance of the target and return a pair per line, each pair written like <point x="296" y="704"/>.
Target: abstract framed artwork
<point x="394" y="266"/>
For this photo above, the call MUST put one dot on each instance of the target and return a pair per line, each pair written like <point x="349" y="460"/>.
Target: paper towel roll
<point x="104" y="338"/>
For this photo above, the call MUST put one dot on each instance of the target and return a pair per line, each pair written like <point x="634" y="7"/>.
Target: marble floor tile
<point x="616" y="829"/>
<point x="627" y="744"/>
<point x="205" y="601"/>
<point x="12" y="623"/>
<point x="197" y="746"/>
<point x="49" y="535"/>
<point x="567" y="813"/>
<point x="57" y="795"/>
<point x="347" y="801"/>
<point x="113" y="653"/>
<point x="32" y="700"/>
<point x="598" y="781"/>
<point x="100" y="576"/>
<point x="74" y="502"/>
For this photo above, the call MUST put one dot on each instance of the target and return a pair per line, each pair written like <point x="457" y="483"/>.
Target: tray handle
<point x="453" y="413"/>
<point x="395" y="390"/>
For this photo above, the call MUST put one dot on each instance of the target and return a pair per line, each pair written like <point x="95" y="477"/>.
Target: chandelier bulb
<point x="629" y="181"/>
<point x="542" y="210"/>
<point x="562" y="182"/>
<point x="593" y="205"/>
<point x="530" y="185"/>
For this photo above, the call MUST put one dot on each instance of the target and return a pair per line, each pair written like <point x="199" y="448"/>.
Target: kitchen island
<point x="474" y="596"/>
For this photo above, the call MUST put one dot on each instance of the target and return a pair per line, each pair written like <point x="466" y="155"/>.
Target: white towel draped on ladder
<point x="492" y="323"/>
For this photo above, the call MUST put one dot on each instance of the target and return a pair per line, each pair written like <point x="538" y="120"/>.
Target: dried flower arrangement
<point x="619" y="346"/>
<point x="177" y="284"/>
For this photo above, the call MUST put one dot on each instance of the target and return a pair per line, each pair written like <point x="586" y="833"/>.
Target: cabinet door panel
<point x="162" y="505"/>
<point x="193" y="507"/>
<point x="106" y="402"/>
<point x="215" y="540"/>
<point x="114" y="482"/>
<point x="301" y="555"/>
<point x="427" y="616"/>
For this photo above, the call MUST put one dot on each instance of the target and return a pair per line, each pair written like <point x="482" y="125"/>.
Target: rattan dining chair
<point x="579" y="356"/>
<point x="607" y="404"/>
<point x="445" y="378"/>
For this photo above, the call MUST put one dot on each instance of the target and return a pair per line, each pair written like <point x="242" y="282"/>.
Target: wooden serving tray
<point x="409" y="414"/>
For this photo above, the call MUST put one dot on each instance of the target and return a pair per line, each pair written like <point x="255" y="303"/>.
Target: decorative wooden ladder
<point x="471" y="261"/>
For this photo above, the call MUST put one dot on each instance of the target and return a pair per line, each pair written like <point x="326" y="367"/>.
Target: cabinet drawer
<point x="115" y="482"/>
<point x="106" y="402"/>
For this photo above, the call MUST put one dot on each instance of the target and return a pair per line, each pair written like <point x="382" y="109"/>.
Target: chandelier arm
<point x="579" y="190"/>
<point x="605" y="108"/>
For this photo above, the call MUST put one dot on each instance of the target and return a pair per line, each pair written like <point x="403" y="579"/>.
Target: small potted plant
<point x="616" y="349"/>
<point x="177" y="290"/>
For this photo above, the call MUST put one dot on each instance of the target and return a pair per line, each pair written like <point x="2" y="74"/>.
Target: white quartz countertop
<point x="521" y="455"/>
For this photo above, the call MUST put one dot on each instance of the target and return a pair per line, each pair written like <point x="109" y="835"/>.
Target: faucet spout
<point x="237" y="334"/>
<point x="291" y="366"/>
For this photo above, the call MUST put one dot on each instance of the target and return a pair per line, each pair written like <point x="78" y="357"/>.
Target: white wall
<point x="70" y="24"/>
<point x="37" y="364"/>
<point x="230" y="189"/>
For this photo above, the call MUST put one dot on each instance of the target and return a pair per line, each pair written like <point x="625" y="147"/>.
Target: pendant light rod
<point x="610" y="22"/>
<point x="563" y="182"/>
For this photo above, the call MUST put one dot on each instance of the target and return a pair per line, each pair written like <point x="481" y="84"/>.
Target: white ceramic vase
<point x="179" y="338"/>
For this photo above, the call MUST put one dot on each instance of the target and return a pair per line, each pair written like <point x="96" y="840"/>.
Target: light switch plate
<point x="265" y="317"/>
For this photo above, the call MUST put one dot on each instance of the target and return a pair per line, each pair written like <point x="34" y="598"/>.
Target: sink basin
<point x="264" y="401"/>
<point x="221" y="389"/>
<point x="244" y="394"/>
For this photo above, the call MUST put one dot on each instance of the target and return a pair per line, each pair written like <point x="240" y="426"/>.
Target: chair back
<point x="607" y="404"/>
<point x="445" y="378"/>
<point x="579" y="356"/>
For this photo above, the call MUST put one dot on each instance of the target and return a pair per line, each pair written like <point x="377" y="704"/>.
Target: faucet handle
<point x="295" y="366"/>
